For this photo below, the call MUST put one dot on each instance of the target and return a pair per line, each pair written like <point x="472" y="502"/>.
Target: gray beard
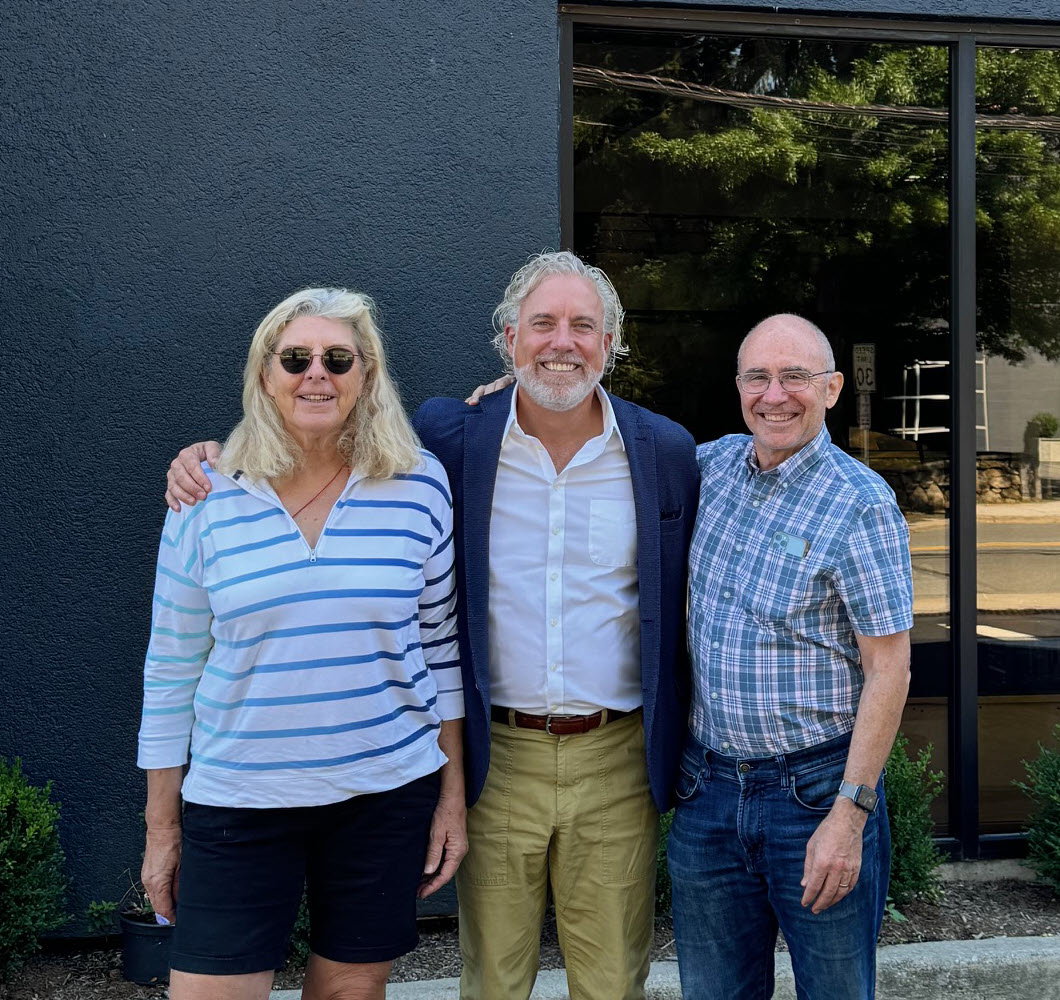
<point x="555" y="398"/>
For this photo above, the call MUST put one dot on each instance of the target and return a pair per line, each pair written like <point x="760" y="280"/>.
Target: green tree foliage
<point x="31" y="861"/>
<point x="1043" y="826"/>
<point x="911" y="788"/>
<point x="810" y="176"/>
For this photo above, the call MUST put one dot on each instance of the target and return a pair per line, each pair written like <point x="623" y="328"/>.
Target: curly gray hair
<point x="545" y="265"/>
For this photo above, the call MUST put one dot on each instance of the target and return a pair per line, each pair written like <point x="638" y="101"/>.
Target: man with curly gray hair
<point x="574" y="513"/>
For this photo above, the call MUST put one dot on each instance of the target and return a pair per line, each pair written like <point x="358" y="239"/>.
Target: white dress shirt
<point x="564" y="623"/>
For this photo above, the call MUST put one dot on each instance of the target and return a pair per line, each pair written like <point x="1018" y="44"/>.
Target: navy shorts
<point x="242" y="873"/>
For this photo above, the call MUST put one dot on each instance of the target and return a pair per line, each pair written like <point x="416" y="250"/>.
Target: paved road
<point x="1018" y="566"/>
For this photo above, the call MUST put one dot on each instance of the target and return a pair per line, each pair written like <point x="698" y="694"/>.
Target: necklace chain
<point x="321" y="490"/>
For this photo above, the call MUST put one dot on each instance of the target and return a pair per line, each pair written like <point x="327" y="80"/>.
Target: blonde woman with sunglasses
<point x="302" y="694"/>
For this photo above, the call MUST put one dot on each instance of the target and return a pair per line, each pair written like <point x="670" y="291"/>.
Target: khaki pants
<point x="575" y="810"/>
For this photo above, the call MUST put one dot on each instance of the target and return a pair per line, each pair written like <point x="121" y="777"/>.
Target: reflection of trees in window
<point x="1018" y="203"/>
<point x="812" y="176"/>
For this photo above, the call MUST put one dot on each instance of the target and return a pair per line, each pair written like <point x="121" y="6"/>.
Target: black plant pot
<point x="145" y="949"/>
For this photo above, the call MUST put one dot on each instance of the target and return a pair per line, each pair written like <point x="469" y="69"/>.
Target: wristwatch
<point x="861" y="795"/>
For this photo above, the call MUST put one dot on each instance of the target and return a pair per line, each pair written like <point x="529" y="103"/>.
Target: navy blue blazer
<point x="662" y="464"/>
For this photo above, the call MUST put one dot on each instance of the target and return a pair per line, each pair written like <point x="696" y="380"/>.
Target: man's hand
<point x="159" y="871"/>
<point x="185" y="481"/>
<point x="447" y="845"/>
<point x="833" y="856"/>
<point x="484" y="390"/>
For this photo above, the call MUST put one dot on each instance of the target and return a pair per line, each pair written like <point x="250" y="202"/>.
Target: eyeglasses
<point x="758" y="382"/>
<point x="337" y="360"/>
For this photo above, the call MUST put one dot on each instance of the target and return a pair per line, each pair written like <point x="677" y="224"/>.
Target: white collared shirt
<point x="564" y="622"/>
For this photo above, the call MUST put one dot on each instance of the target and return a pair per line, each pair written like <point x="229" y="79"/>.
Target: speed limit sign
<point x="864" y="367"/>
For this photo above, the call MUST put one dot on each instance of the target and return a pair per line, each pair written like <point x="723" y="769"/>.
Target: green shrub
<point x="1043" y="825"/>
<point x="911" y="788"/>
<point x="298" y="946"/>
<point x="100" y="916"/>
<point x="663" y="888"/>
<point x="1043" y="425"/>
<point x="31" y="861"/>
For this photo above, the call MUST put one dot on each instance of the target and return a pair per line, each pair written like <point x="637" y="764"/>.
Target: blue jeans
<point x="736" y="853"/>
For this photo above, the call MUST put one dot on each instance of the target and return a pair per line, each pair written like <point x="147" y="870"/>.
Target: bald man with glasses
<point x="800" y="605"/>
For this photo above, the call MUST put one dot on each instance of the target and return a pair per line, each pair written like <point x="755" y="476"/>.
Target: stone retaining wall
<point x="1001" y="477"/>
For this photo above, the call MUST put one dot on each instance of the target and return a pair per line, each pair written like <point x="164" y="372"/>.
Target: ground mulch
<point x="964" y="911"/>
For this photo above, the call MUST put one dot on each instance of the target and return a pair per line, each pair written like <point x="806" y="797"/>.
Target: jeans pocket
<point x="688" y="780"/>
<point x="816" y="788"/>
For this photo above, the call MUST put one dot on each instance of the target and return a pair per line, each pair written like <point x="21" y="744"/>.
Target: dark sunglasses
<point x="337" y="360"/>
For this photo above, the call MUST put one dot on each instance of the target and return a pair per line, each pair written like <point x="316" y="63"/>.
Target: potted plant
<point x="145" y="936"/>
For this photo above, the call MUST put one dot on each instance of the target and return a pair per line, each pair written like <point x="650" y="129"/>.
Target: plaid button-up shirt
<point x="785" y="566"/>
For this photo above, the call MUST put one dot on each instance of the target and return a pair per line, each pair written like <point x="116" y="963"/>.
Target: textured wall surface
<point x="171" y="171"/>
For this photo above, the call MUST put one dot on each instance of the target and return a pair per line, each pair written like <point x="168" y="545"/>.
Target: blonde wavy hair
<point x="378" y="439"/>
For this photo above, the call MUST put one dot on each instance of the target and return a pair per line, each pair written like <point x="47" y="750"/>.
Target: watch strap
<point x="861" y="795"/>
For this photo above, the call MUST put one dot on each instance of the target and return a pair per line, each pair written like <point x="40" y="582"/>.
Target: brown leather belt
<point x="556" y="725"/>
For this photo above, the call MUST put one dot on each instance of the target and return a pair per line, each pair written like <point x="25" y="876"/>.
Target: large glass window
<point x="719" y="179"/>
<point x="1018" y="416"/>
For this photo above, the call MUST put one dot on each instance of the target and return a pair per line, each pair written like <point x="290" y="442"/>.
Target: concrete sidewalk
<point x="992" y="969"/>
<point x="1027" y="512"/>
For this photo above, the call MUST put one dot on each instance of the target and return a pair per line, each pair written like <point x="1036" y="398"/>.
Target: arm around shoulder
<point x="186" y="480"/>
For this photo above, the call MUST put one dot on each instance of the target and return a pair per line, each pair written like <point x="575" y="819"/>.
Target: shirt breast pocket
<point x="787" y="587"/>
<point x="612" y="532"/>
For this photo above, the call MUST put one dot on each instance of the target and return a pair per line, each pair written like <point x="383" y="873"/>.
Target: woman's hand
<point x="484" y="390"/>
<point x="160" y="870"/>
<point x="161" y="865"/>
<point x="448" y="838"/>
<point x="447" y="845"/>
<point x="185" y="480"/>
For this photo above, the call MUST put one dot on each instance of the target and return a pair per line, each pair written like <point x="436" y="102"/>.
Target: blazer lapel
<point x="483" y="430"/>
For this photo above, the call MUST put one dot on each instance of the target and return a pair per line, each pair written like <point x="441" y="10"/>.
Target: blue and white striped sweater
<point x="303" y="676"/>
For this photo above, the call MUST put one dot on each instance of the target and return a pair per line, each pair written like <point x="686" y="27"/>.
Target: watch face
<point x="866" y="797"/>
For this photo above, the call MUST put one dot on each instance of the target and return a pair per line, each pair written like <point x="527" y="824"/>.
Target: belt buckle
<point x="548" y="724"/>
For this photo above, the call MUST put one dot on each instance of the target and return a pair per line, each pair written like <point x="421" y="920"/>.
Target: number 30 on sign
<point x="864" y="367"/>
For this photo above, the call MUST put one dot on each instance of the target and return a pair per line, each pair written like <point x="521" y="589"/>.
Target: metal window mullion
<point x="964" y="694"/>
<point x="566" y="133"/>
<point x="1024" y="33"/>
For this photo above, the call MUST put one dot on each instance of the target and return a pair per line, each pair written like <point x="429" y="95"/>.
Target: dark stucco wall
<point x="170" y="172"/>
